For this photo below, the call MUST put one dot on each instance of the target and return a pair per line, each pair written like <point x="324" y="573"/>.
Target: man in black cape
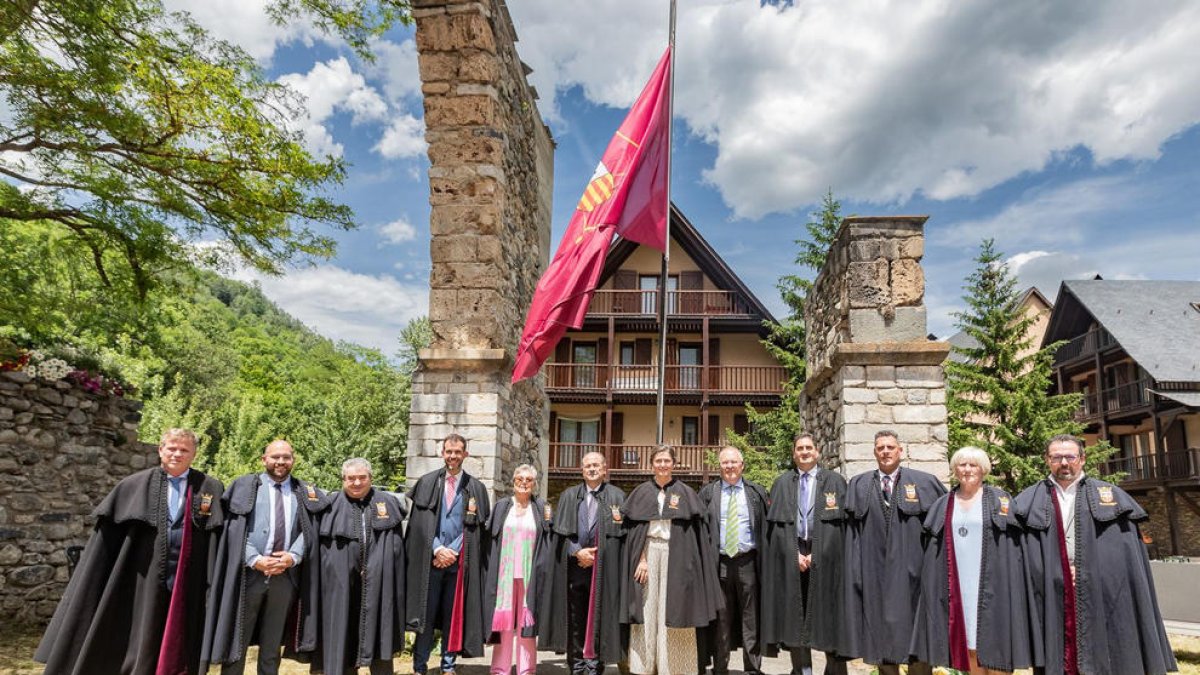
<point x="360" y="558"/>
<point x="738" y="542"/>
<point x="584" y="589"/>
<point x="260" y="585"/>
<point x="135" y="604"/>
<point x="886" y="509"/>
<point x="802" y="566"/>
<point x="1107" y="621"/>
<point x="446" y="558"/>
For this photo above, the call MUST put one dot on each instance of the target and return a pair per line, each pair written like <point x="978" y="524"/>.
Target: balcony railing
<point x="1116" y="399"/>
<point x="1090" y="342"/>
<point x="629" y="459"/>
<point x="624" y="378"/>
<point x="1173" y="465"/>
<point x="679" y="303"/>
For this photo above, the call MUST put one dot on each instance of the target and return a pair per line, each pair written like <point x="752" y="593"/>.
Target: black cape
<point x="357" y="630"/>
<point x="820" y="626"/>
<point x="227" y="590"/>
<point x="534" y="586"/>
<point x="1003" y="634"/>
<point x="883" y="562"/>
<point x="112" y="615"/>
<point x="756" y="498"/>
<point x="693" y="592"/>
<point x="611" y="637"/>
<point x="422" y="528"/>
<point x="1119" y="628"/>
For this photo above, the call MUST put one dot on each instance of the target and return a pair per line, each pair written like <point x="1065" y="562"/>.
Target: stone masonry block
<point x="939" y="433"/>
<point x="437" y="67"/>
<point x="879" y="414"/>
<point x="859" y="452"/>
<point x="466" y="275"/>
<point x="917" y="396"/>
<point x="482" y="404"/>
<point x="458" y="111"/>
<point x="854" y="375"/>
<point x="452" y="33"/>
<point x="920" y="414"/>
<point x="892" y="396"/>
<point x="926" y="452"/>
<point x="928" y="377"/>
<point x="912" y="247"/>
<point x="479" y="67"/>
<point x="858" y="395"/>
<point x="879" y="377"/>
<point x="869" y="325"/>
<point x="854" y="414"/>
<point x="465" y="149"/>
<point x="435" y="88"/>
<point x="439" y="403"/>
<point x="867" y="284"/>
<point x="937" y="396"/>
<point x="908" y="282"/>
<point x="454" y="248"/>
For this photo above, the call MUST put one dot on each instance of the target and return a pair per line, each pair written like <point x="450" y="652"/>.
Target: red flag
<point x="627" y="195"/>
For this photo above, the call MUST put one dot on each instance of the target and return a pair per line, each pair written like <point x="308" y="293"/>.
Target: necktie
<point x="176" y="496"/>
<point x="589" y="507"/>
<point x="277" y="542"/>
<point x="804" y="508"/>
<point x="887" y="490"/>
<point x="451" y="481"/>
<point x="731" y="524"/>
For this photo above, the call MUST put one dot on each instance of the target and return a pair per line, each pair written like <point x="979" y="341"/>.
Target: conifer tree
<point x="998" y="393"/>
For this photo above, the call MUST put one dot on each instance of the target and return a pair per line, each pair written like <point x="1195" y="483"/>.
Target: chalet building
<point x="1032" y="305"/>
<point x="603" y="378"/>
<point x="1133" y="350"/>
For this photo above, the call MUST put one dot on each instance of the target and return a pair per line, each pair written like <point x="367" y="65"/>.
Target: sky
<point x="1068" y="131"/>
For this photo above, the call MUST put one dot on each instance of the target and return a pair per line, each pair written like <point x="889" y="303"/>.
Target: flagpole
<point x="666" y="258"/>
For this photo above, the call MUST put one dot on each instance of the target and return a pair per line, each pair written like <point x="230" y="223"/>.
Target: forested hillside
<point x="212" y="354"/>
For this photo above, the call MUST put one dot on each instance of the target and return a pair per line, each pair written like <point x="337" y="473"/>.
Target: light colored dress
<point x="653" y="647"/>
<point x="967" y="524"/>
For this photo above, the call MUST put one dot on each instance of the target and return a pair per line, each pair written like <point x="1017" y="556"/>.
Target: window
<point x="648" y="285"/>
<point x="691" y="431"/>
<point x="583" y="355"/>
<point x="577" y="437"/>
<point x="689" y="366"/>
<point x="628" y="354"/>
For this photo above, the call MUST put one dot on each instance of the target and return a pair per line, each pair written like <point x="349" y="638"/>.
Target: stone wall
<point x="490" y="182"/>
<point x="62" y="449"/>
<point x="1159" y="526"/>
<point x="870" y="365"/>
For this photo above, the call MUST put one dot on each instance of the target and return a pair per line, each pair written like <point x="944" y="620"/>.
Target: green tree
<point x="134" y="132"/>
<point x="998" y="393"/>
<point x="768" y="446"/>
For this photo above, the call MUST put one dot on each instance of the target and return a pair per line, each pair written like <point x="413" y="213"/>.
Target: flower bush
<point x="37" y="363"/>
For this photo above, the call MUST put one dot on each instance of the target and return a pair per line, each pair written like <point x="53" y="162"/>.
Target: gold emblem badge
<point x="1106" y="495"/>
<point x="381" y="510"/>
<point x="1004" y="506"/>
<point x="616" y="514"/>
<point x="546" y="512"/>
<point x="674" y="502"/>
<point x="910" y="492"/>
<point x="830" y="501"/>
<point x="471" y="506"/>
<point x="312" y="493"/>
<point x="205" y="503"/>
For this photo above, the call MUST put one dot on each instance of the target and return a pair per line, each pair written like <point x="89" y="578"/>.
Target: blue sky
<point x="1070" y="133"/>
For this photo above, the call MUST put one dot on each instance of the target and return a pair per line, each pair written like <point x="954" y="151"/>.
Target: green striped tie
<point x="731" y="524"/>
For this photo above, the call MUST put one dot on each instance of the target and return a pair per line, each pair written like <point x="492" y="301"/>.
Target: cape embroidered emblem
<point x="381" y="510"/>
<point x="616" y="514"/>
<point x="546" y="512"/>
<point x="674" y="502"/>
<point x="471" y="506"/>
<point x="830" y="501"/>
<point x="910" y="492"/>
<point x="1106" y="495"/>
<point x="312" y="493"/>
<point x="1004" y="506"/>
<point x="205" y="503"/>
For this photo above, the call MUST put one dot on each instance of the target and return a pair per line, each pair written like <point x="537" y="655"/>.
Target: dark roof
<point x="1156" y="322"/>
<point x="689" y="239"/>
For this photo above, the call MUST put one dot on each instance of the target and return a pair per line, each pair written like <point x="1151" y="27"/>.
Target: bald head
<point x="594" y="468"/>
<point x="732" y="464"/>
<point x="278" y="460"/>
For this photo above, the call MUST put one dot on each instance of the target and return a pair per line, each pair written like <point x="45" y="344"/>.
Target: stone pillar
<point x="870" y="364"/>
<point x="490" y="183"/>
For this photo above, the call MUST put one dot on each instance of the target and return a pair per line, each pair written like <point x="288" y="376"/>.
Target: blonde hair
<point x="971" y="454"/>
<point x="181" y="434"/>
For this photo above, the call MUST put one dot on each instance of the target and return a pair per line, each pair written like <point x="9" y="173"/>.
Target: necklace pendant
<point x="962" y="531"/>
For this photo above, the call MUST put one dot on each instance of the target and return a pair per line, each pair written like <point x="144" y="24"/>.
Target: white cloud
<point x="1016" y="262"/>
<point x="404" y="137"/>
<point x="398" y="231"/>
<point x="887" y="99"/>
<point x="369" y="310"/>
<point x="245" y="23"/>
<point x="331" y="87"/>
<point x="396" y="66"/>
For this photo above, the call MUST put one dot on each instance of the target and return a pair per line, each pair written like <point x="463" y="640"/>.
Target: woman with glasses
<point x="972" y="615"/>
<point x="519" y="528"/>
<point x="670" y="586"/>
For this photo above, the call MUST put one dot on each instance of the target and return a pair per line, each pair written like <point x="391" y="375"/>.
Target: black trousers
<point x="267" y="602"/>
<point x="579" y="591"/>
<point x="739" y="584"/>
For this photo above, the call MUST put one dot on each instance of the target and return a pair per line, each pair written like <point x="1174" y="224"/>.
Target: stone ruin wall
<point x="490" y="182"/>
<point x="870" y="364"/>
<point x="62" y="449"/>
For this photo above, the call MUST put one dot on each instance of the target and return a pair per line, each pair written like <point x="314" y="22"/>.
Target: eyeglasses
<point x="1063" y="459"/>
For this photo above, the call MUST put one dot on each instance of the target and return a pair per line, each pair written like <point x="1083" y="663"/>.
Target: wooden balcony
<point x="604" y="378"/>
<point x="1087" y="344"/>
<point x="1122" y="398"/>
<point x="631" y="460"/>
<point x="1173" y="465"/>
<point x="679" y="303"/>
